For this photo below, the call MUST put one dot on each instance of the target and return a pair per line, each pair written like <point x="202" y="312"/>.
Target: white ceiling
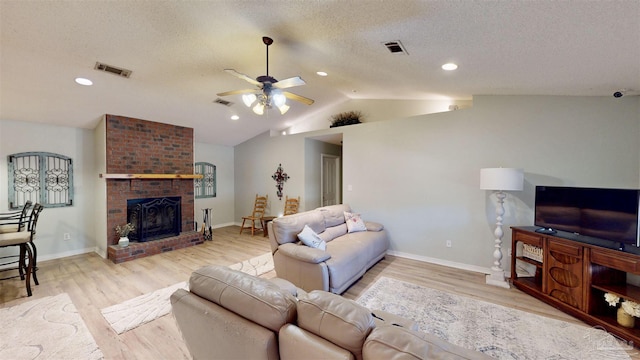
<point x="177" y="51"/>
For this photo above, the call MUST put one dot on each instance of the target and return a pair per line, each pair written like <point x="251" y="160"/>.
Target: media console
<point x="573" y="276"/>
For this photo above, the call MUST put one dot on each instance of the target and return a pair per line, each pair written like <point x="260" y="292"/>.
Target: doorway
<point x="329" y="179"/>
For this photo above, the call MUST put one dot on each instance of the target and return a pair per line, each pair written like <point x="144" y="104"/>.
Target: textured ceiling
<point x="177" y="51"/>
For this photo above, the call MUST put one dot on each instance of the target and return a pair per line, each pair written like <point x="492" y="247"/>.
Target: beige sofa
<point x="346" y="258"/>
<point x="231" y="315"/>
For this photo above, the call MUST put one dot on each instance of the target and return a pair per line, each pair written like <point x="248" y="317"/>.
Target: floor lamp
<point x="500" y="180"/>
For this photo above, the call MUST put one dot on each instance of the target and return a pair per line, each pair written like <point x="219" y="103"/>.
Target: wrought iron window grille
<point x="40" y="177"/>
<point x="205" y="187"/>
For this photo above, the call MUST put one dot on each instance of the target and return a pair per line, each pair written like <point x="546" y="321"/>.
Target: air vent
<point x="395" y="47"/>
<point x="222" y="102"/>
<point x="112" y="69"/>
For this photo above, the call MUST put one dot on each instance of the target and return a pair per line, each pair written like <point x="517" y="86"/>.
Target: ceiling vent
<point x="395" y="47"/>
<point x="112" y="69"/>
<point x="222" y="102"/>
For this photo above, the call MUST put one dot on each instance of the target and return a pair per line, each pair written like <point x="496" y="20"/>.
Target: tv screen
<point x="608" y="214"/>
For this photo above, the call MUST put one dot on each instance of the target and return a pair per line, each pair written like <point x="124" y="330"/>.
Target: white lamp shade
<point x="508" y="179"/>
<point x="248" y="99"/>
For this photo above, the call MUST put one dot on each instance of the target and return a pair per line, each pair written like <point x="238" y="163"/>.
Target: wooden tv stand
<point x="573" y="276"/>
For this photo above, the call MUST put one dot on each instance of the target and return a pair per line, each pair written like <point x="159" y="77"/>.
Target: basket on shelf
<point x="532" y="252"/>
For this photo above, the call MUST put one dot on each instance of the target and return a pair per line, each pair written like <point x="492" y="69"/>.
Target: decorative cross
<point x="280" y="177"/>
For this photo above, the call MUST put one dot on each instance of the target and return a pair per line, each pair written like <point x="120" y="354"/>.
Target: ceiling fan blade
<point x="290" y="82"/>
<point x="299" y="98"/>
<point x="235" y="92"/>
<point x="243" y="77"/>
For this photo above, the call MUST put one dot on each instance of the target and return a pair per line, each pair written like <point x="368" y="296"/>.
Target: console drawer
<point x="565" y="248"/>
<point x="529" y="239"/>
<point x="615" y="260"/>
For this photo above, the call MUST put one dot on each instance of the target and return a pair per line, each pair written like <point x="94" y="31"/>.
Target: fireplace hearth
<point x="154" y="218"/>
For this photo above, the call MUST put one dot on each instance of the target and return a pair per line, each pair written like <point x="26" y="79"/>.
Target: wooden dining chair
<point x="259" y="207"/>
<point x="291" y="205"/>
<point x="23" y="239"/>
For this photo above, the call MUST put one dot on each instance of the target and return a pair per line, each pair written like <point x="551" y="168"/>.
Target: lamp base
<point x="496" y="278"/>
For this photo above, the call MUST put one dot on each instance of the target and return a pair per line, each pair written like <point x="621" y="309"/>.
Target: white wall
<point x="312" y="159"/>
<point x="77" y="220"/>
<point x="256" y="160"/>
<point x="222" y="205"/>
<point x="376" y="110"/>
<point x="420" y="176"/>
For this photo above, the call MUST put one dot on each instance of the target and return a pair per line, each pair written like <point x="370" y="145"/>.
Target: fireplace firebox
<point x="154" y="218"/>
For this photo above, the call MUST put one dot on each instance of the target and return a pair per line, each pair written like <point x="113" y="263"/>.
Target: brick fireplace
<point x="137" y="146"/>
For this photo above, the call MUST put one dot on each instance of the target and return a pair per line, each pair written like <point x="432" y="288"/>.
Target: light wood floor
<point x="94" y="283"/>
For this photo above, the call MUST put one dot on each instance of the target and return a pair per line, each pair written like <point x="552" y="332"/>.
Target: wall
<point x="420" y="176"/>
<point x="256" y="160"/>
<point x="313" y="150"/>
<point x="222" y="205"/>
<point x="77" y="220"/>
<point x="376" y="110"/>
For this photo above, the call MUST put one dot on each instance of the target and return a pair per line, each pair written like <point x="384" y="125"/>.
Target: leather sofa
<point x="228" y="314"/>
<point x="347" y="257"/>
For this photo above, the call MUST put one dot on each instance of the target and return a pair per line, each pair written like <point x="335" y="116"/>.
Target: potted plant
<point x="346" y="118"/>
<point x="123" y="232"/>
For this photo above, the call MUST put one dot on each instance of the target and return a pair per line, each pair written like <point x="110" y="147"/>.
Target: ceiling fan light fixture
<point x="279" y="99"/>
<point x="259" y="108"/>
<point x="283" y="108"/>
<point x="248" y="99"/>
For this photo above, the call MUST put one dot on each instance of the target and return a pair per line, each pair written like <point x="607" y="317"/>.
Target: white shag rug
<point x="255" y="266"/>
<point x="46" y="328"/>
<point x="148" y="307"/>
<point x="495" y="330"/>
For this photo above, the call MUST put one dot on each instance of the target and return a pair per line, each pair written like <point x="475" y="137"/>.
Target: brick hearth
<point x="137" y="146"/>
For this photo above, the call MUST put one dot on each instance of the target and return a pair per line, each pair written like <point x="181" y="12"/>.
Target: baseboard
<point x="223" y="225"/>
<point x="67" y="254"/>
<point x="452" y="264"/>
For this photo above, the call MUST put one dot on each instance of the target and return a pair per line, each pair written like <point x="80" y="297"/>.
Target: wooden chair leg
<point x="29" y="270"/>
<point x="242" y="227"/>
<point x="35" y="262"/>
<point x="21" y="265"/>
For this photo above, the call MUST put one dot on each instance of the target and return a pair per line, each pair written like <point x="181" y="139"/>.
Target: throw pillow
<point x="354" y="222"/>
<point x="311" y="239"/>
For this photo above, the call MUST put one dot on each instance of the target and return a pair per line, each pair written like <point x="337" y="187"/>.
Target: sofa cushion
<point x="337" y="319"/>
<point x="392" y="342"/>
<point x="354" y="222"/>
<point x="334" y="214"/>
<point x="286" y="228"/>
<point x="253" y="298"/>
<point x="333" y="232"/>
<point x="311" y="239"/>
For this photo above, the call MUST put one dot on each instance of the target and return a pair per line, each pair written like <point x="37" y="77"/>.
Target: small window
<point x="205" y="187"/>
<point x="40" y="177"/>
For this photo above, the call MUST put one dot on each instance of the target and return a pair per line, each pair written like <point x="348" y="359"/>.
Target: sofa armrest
<point x="304" y="253"/>
<point x="373" y="226"/>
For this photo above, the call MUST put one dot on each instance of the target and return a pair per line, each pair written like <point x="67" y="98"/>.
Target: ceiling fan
<point x="271" y="93"/>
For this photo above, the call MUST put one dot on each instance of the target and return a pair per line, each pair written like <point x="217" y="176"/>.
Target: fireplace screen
<point x="154" y="218"/>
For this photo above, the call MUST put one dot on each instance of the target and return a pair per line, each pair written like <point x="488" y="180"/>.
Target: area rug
<point x="46" y="328"/>
<point x="255" y="266"/>
<point x="497" y="331"/>
<point x="148" y="307"/>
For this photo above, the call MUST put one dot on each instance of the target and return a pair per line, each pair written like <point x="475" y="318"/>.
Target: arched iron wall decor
<point x="40" y="177"/>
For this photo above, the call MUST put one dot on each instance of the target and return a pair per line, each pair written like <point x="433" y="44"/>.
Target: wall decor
<point x="40" y="177"/>
<point x="205" y="187"/>
<point x="280" y="177"/>
<point x="346" y="118"/>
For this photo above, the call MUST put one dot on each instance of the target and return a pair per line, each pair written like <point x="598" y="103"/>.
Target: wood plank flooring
<point x="94" y="283"/>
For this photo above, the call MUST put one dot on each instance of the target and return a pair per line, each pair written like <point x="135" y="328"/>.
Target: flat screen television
<point x="607" y="214"/>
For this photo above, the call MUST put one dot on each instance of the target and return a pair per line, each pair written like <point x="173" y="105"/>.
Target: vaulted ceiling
<point x="177" y="51"/>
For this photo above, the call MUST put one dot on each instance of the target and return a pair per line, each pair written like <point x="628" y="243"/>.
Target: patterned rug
<point x="46" y="328"/>
<point x="148" y="307"/>
<point x="498" y="331"/>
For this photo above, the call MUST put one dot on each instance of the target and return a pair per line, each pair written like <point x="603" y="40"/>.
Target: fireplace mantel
<point x="151" y="176"/>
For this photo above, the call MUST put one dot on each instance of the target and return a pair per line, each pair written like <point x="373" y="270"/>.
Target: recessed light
<point x="322" y="73"/>
<point x="284" y="132"/>
<point x="449" y="66"/>
<point x="83" y="81"/>
<point x="235" y="117"/>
